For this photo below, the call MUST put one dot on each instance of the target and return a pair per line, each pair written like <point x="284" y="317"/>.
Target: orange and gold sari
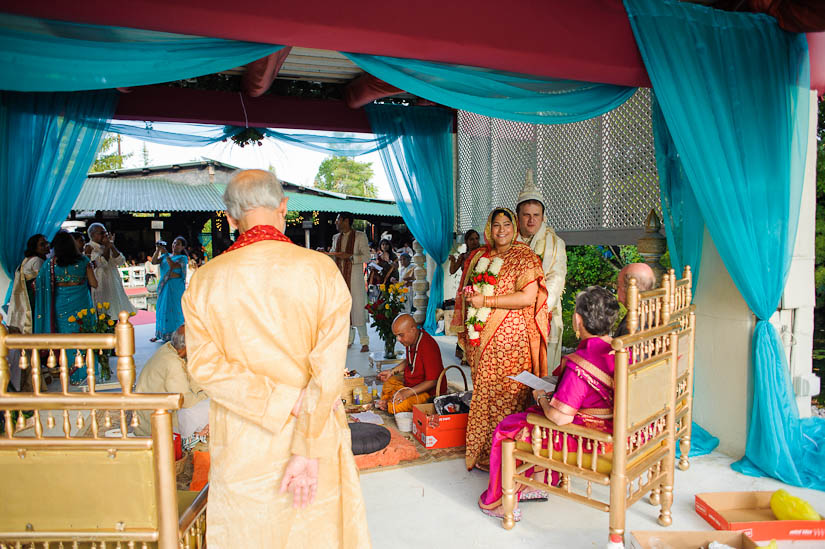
<point x="512" y="341"/>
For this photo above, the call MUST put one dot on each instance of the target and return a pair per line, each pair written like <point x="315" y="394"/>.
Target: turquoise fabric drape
<point x="496" y="93"/>
<point x="685" y="231"/>
<point x="683" y="221"/>
<point x="199" y="135"/>
<point x="737" y="109"/>
<point x="45" y="55"/>
<point x="49" y="142"/>
<point x="419" y="166"/>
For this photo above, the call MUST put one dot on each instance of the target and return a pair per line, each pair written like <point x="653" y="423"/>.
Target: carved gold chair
<point x="649" y="309"/>
<point x="684" y="312"/>
<point x="64" y="482"/>
<point x="638" y="458"/>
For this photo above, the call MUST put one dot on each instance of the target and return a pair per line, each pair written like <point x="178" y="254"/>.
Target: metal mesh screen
<point x="599" y="174"/>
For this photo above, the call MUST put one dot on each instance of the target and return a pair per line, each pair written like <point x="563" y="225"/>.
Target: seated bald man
<point x="645" y="280"/>
<point x="420" y="369"/>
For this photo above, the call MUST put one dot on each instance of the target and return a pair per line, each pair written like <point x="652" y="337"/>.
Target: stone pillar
<point x="653" y="245"/>
<point x="420" y="286"/>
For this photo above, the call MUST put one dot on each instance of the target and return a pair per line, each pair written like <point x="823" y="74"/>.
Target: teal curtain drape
<point x="49" y="143"/>
<point x="46" y="55"/>
<point x="199" y="135"/>
<point x="419" y="166"/>
<point x="737" y="109"/>
<point x="685" y="231"/>
<point x="495" y="93"/>
<point x="683" y="221"/>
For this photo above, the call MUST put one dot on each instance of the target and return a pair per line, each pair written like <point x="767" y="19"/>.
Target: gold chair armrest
<point x="570" y="429"/>
<point x="194" y="510"/>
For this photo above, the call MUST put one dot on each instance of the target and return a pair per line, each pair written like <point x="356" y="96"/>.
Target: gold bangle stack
<point x="490" y="301"/>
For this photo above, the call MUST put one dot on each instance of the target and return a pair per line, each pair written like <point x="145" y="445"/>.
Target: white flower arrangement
<point x="484" y="280"/>
<point x="482" y="265"/>
<point x="483" y="314"/>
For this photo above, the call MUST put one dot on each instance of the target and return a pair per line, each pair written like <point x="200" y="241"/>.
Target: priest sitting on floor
<point x="165" y="372"/>
<point x="420" y="369"/>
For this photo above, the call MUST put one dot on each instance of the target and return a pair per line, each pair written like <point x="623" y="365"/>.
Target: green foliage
<point x="587" y="266"/>
<point x="347" y="176"/>
<point x="107" y="159"/>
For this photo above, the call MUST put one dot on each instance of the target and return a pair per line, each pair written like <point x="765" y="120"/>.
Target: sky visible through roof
<point x="293" y="164"/>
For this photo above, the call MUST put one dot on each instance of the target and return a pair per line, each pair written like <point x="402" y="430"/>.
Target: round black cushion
<point x="368" y="438"/>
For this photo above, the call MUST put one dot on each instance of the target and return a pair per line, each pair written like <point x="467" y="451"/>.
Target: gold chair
<point x="684" y="312"/>
<point x="642" y="458"/>
<point x="66" y="489"/>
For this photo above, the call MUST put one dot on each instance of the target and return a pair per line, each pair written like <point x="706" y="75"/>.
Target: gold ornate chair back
<point x="683" y="311"/>
<point x="637" y="459"/>
<point x="67" y="484"/>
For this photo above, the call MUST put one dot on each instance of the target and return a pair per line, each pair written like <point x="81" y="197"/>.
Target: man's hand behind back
<point x="301" y="480"/>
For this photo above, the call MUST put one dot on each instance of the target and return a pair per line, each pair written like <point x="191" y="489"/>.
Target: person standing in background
<point x="350" y="251"/>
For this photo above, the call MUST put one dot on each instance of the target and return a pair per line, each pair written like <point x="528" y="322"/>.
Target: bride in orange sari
<point x="502" y="319"/>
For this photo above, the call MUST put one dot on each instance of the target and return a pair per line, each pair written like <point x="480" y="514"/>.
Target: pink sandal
<point x="498" y="513"/>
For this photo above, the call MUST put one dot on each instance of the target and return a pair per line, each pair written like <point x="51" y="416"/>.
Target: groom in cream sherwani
<point x="542" y="239"/>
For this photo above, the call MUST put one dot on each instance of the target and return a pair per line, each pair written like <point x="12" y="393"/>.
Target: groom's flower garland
<point x="484" y="279"/>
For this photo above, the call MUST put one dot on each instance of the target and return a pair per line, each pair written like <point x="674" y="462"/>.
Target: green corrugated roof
<point x="158" y="194"/>
<point x="305" y="202"/>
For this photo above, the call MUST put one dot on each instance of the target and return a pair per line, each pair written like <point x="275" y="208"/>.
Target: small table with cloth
<point x="423" y="363"/>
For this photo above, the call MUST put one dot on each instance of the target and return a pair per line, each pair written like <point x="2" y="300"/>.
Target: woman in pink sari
<point x="584" y="395"/>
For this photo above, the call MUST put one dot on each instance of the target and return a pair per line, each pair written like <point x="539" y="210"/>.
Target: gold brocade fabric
<point x="262" y="322"/>
<point x="512" y="341"/>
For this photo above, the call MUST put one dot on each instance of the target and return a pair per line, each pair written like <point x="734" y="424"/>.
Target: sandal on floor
<point x="152" y="339"/>
<point x="498" y="513"/>
<point x="533" y="495"/>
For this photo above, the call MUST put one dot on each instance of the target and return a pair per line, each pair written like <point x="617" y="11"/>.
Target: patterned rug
<point x="424" y="455"/>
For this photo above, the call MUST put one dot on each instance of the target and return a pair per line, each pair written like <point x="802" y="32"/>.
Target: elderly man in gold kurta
<point x="266" y="328"/>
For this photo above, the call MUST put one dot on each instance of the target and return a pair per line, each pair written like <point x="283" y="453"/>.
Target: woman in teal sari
<point x="62" y="290"/>
<point x="168" y="312"/>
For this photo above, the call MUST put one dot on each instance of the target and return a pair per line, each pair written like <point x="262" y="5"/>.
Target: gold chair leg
<point x="655" y="495"/>
<point x="684" y="448"/>
<point x="508" y="484"/>
<point x="665" y="517"/>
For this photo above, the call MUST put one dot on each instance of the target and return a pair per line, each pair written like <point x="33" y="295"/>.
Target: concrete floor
<point x="435" y="504"/>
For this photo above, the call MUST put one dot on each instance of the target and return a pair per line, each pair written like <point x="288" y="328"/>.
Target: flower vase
<point x="389" y="347"/>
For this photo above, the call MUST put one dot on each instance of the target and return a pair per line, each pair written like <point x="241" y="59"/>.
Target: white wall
<point x="723" y="380"/>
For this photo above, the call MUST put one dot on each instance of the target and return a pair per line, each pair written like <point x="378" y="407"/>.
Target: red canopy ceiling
<point x="589" y="40"/>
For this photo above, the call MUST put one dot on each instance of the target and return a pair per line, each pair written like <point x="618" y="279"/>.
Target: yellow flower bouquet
<point x="96" y="320"/>
<point x="384" y="309"/>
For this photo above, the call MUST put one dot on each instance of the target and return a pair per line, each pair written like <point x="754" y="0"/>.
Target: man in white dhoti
<point x="542" y="239"/>
<point x="107" y="260"/>
<point x="266" y="330"/>
<point x="351" y="250"/>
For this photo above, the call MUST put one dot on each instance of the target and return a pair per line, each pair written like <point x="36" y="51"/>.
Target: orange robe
<point x="262" y="322"/>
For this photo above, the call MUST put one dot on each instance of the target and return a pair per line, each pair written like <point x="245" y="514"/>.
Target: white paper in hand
<point x="534" y="382"/>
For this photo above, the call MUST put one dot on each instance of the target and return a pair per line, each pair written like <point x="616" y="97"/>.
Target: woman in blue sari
<point x="168" y="312"/>
<point x="62" y="290"/>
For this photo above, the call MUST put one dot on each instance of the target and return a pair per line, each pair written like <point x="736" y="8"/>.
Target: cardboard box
<point x="438" y="431"/>
<point x="750" y="512"/>
<point x="688" y="540"/>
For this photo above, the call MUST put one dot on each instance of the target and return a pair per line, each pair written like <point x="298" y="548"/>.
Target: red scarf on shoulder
<point x="258" y="233"/>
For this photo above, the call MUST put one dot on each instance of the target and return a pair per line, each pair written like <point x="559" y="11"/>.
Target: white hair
<point x="179" y="339"/>
<point x="250" y="189"/>
<point x="95" y="227"/>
